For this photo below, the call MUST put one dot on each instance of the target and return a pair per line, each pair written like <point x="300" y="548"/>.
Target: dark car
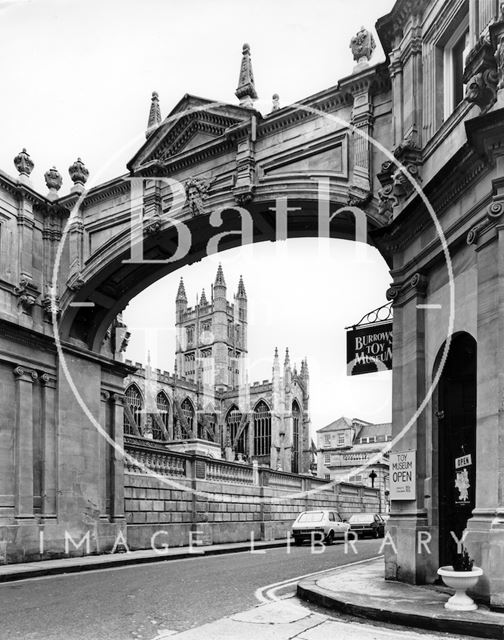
<point x="367" y="524"/>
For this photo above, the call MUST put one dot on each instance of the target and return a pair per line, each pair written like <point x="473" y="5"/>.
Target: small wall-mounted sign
<point x="463" y="461"/>
<point x="403" y="475"/>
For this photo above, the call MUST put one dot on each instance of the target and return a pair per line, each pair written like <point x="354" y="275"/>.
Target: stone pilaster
<point x="409" y="517"/>
<point x="49" y="447"/>
<point x="117" y="460"/>
<point x="485" y="538"/>
<point x="23" y="499"/>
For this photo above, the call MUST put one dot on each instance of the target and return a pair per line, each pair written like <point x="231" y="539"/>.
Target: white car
<point x="324" y="524"/>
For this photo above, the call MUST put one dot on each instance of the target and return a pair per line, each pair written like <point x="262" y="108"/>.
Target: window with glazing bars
<point x="262" y="429"/>
<point x="163" y="409"/>
<point x="133" y="400"/>
<point x="296" y="413"/>
<point x="188" y="411"/>
<point x="233" y="420"/>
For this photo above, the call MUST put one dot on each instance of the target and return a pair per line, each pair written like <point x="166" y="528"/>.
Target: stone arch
<point x="110" y="278"/>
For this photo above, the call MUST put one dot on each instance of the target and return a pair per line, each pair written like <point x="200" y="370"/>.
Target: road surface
<point x="142" y="601"/>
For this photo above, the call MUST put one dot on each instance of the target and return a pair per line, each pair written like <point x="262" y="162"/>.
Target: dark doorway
<point x="456" y="443"/>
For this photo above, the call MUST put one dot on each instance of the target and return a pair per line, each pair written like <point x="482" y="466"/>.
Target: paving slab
<point x="362" y="591"/>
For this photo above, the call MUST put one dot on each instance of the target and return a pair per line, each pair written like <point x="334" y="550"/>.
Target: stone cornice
<point x="388" y="26"/>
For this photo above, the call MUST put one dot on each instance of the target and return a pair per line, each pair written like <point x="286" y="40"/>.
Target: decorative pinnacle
<point x="78" y="174"/>
<point x="276" y="102"/>
<point x="53" y="181"/>
<point x="246" y="92"/>
<point x="287" y="358"/>
<point x="181" y="294"/>
<point x="23" y="163"/>
<point x="154" y="115"/>
<point x="241" y="290"/>
<point x="219" y="278"/>
<point x="203" y="300"/>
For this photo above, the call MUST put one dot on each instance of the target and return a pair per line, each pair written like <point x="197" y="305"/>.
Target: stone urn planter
<point x="460" y="581"/>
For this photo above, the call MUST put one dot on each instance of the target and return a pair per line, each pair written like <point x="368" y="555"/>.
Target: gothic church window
<point x="262" y="429"/>
<point x="133" y="400"/>
<point x="163" y="409"/>
<point x="296" y="416"/>
<point x="233" y="421"/>
<point x="188" y="411"/>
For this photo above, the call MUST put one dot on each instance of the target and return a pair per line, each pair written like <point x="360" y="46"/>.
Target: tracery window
<point x="233" y="421"/>
<point x="296" y="416"/>
<point x="209" y="432"/>
<point x="262" y="429"/>
<point x="133" y="400"/>
<point x="163" y="410"/>
<point x="188" y="411"/>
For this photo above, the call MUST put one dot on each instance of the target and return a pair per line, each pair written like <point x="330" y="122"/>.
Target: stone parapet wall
<point x="222" y="501"/>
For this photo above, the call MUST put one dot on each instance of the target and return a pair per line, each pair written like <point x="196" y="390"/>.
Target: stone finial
<point x="203" y="300"/>
<point x="241" y="290"/>
<point x="24" y="164"/>
<point x="53" y="181"/>
<point x="362" y="46"/>
<point x="79" y="175"/>
<point x="246" y="92"/>
<point x="219" y="278"/>
<point x="181" y="294"/>
<point x="276" y="102"/>
<point x="154" y="115"/>
<point x="287" y="358"/>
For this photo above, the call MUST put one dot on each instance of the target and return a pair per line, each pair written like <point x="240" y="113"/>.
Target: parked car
<point x="367" y="524"/>
<point x="324" y="524"/>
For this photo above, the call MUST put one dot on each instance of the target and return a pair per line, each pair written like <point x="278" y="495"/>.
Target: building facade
<point x="208" y="405"/>
<point x="356" y="451"/>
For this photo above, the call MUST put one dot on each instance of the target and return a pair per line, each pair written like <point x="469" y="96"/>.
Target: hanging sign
<point x="402" y="475"/>
<point x="463" y="461"/>
<point x="369" y="348"/>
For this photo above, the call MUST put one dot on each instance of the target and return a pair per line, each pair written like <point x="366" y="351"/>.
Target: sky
<point x="77" y="79"/>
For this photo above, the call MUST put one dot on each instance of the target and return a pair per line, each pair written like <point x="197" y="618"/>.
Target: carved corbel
<point x="120" y="335"/>
<point x="481" y="72"/>
<point x="494" y="211"/>
<point x="75" y="281"/>
<point x="50" y="303"/>
<point x="27" y="293"/>
<point x="418" y="283"/>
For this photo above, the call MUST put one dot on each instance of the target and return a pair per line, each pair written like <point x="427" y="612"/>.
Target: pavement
<point x="361" y="590"/>
<point x="25" y="570"/>
<point x="288" y="619"/>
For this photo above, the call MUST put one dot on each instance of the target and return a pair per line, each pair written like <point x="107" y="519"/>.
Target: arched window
<point x="233" y="421"/>
<point x="209" y="420"/>
<point x="262" y="429"/>
<point x="133" y="406"/>
<point x="163" y="411"/>
<point x="296" y="418"/>
<point x="188" y="411"/>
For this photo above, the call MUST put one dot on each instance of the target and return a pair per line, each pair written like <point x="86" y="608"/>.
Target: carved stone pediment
<point x="193" y="124"/>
